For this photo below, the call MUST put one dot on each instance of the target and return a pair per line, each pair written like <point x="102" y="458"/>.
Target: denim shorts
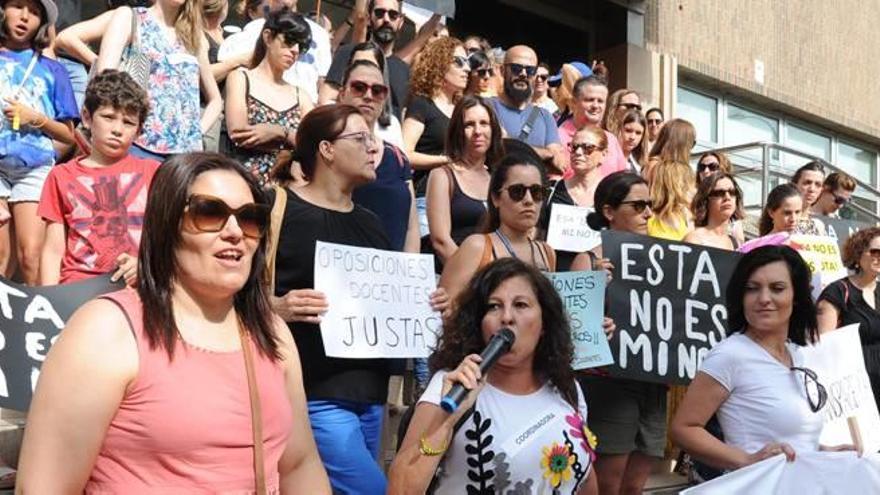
<point x="20" y="183"/>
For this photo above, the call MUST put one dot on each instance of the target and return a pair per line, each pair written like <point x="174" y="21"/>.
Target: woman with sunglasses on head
<point x="855" y="299"/>
<point x="457" y="193"/>
<point x="674" y="144"/>
<point x="192" y="349"/>
<point x="767" y="402"/>
<point x="619" y="103"/>
<point x="717" y="202"/>
<point x="530" y="393"/>
<point x="480" y="76"/>
<point x="809" y="180"/>
<point x="337" y="154"/>
<point x="390" y="195"/>
<point x="631" y="445"/>
<point x="631" y="136"/>
<point x="587" y="149"/>
<point x="516" y="194"/>
<point x="263" y="110"/>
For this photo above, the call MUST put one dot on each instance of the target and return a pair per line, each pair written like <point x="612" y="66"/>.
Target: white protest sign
<point x="568" y="229"/>
<point x="824" y="473"/>
<point x="837" y="360"/>
<point x="822" y="254"/>
<point x="378" y="302"/>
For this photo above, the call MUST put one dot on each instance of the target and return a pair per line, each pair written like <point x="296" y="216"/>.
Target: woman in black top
<point x="855" y="299"/>
<point x="457" y="192"/>
<point x="336" y="151"/>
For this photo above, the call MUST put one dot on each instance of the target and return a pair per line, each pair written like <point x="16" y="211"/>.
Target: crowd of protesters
<point x="202" y="171"/>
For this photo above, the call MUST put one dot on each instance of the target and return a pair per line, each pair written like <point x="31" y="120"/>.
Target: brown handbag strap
<point x="256" y="413"/>
<point x="276" y="218"/>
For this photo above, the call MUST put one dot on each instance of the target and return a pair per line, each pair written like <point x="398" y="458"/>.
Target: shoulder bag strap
<point x="276" y="218"/>
<point x="135" y="41"/>
<point x="256" y="413"/>
<point x="530" y="123"/>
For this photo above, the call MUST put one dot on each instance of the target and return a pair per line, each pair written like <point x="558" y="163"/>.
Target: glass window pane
<point x="807" y="141"/>
<point x="745" y="126"/>
<point x="700" y="110"/>
<point x="858" y="162"/>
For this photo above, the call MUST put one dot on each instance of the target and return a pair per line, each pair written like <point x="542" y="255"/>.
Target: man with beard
<point x="386" y="20"/>
<point x="522" y="119"/>
<point x="589" y="96"/>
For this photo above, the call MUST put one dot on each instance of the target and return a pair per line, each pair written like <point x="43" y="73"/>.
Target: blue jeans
<point x="79" y="79"/>
<point x="348" y="435"/>
<point x="422" y="211"/>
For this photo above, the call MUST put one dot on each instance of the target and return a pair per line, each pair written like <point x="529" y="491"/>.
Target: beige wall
<point x="819" y="57"/>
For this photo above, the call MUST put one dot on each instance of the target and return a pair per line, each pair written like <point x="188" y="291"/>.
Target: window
<point x="700" y="110"/>
<point x="807" y="141"/>
<point x="858" y="162"/>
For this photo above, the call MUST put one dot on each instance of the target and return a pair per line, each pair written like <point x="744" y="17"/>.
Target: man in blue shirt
<point x="519" y="117"/>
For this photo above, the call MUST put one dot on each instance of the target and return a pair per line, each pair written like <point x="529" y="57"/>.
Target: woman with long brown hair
<point x="677" y="138"/>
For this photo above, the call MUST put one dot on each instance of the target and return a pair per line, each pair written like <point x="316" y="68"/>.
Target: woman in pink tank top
<point x="148" y="391"/>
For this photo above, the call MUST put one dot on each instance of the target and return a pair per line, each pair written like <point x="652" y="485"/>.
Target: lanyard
<point x="27" y="75"/>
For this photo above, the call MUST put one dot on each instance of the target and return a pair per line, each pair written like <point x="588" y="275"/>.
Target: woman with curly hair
<point x="854" y="299"/>
<point x="523" y="424"/>
<point x="717" y="203"/>
<point x="671" y="194"/>
<point x="438" y="79"/>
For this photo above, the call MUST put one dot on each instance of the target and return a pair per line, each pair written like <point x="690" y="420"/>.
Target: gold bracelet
<point x="426" y="449"/>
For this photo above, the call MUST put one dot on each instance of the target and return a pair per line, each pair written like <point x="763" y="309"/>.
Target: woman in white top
<point x="523" y="425"/>
<point x="767" y="401"/>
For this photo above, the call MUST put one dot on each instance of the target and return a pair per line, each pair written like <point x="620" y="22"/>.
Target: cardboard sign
<point x="810" y="473"/>
<point x="668" y="302"/>
<point x="378" y="302"/>
<point x="442" y="7"/>
<point x="30" y="320"/>
<point x="583" y="294"/>
<point x="822" y="254"/>
<point x="838" y="362"/>
<point x="568" y="229"/>
<point x="840" y="228"/>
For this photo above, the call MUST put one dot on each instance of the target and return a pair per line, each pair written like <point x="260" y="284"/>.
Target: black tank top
<point x="465" y="212"/>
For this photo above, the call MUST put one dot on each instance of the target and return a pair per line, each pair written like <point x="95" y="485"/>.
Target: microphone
<point x="498" y="345"/>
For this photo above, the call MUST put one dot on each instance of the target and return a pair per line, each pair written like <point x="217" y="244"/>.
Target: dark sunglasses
<point x="631" y="106"/>
<point x="460" y="62"/>
<point x="655" y="121"/>
<point x="517" y="192"/>
<point x="840" y="200"/>
<point x="210" y="214"/>
<point x="302" y="43"/>
<point x="874" y="252"/>
<point x="639" y="205"/>
<point x="393" y="15"/>
<point x="587" y="148"/>
<point x="484" y="73"/>
<point x="542" y="77"/>
<point x="712" y="167"/>
<point x="519" y="68"/>
<point x="817" y="396"/>
<point x="360" y="88"/>
<point x="720" y="193"/>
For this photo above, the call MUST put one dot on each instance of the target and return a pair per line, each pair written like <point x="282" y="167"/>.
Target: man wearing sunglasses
<point x="836" y="192"/>
<point x="519" y="117"/>
<point x="385" y="20"/>
<point x="309" y="70"/>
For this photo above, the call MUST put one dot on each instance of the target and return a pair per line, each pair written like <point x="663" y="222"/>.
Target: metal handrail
<point x="766" y="169"/>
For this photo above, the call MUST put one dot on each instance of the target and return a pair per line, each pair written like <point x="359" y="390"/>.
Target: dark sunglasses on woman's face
<point x="587" y="148"/>
<point x="639" y="205"/>
<point x="817" y="396"/>
<point x="655" y="121"/>
<point x="393" y="15"/>
<point x="460" y="62"/>
<point x="542" y="77"/>
<point x="360" y="88"/>
<point x="210" y="214"/>
<point x="720" y="193"/>
<point x="303" y="44"/>
<point x="711" y="166"/>
<point x="517" y="192"/>
<point x="485" y="73"/>
<point x="840" y="200"/>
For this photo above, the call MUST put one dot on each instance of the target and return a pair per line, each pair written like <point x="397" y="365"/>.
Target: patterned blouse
<point x="173" y="124"/>
<point x="259" y="161"/>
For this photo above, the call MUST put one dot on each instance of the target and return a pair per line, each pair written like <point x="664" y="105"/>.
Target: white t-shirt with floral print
<point x="516" y="444"/>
